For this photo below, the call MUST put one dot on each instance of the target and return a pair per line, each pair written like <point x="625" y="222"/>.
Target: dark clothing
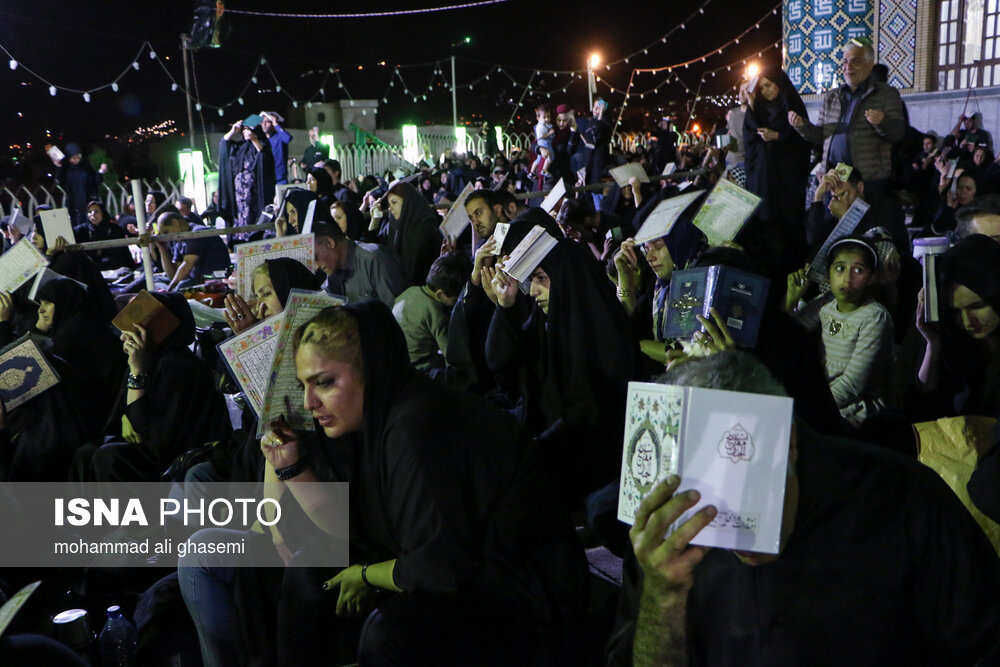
<point x="459" y="503"/>
<point x="598" y="134"/>
<point x="210" y="250"/>
<point x="370" y="271"/>
<point x="884" y="566"/>
<point x="883" y="212"/>
<point x="80" y="181"/>
<point x="246" y="181"/>
<point x="415" y="236"/>
<point x="840" y="149"/>
<point x="279" y="150"/>
<point x="180" y="410"/>
<point x="777" y="170"/>
<point x="666" y="149"/>
<point x="106" y="258"/>
<point x="571" y="367"/>
<point x="315" y="153"/>
<point x="91" y="347"/>
<point x="79" y="267"/>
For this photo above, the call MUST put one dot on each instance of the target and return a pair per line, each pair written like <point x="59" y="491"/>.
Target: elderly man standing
<point x="860" y="121"/>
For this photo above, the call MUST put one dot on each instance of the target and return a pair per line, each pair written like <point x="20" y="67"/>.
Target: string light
<point x="13" y="64"/>
<point x="86" y="97"/>
<point x="135" y="65"/>
<point x="52" y="91"/>
<point x="114" y="86"/>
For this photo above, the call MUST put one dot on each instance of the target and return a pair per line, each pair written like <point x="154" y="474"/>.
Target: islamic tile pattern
<point x="897" y="40"/>
<point x="814" y="31"/>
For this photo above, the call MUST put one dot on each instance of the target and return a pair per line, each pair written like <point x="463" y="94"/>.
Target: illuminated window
<point x="968" y="44"/>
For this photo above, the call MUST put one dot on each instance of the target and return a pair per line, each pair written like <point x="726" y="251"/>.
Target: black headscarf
<point x="80" y="267"/>
<point x="300" y="199"/>
<point x="89" y="346"/>
<point x="449" y="499"/>
<point x="287" y="274"/>
<point x="324" y="182"/>
<point x="777" y="171"/>
<point x="415" y="235"/>
<point x="183" y="335"/>
<point x="590" y="356"/>
<point x="356" y="223"/>
<point x="975" y="263"/>
<point x="524" y="223"/>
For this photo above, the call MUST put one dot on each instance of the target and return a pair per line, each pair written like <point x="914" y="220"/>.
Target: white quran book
<point x="551" y="201"/>
<point x="725" y="211"/>
<point x="57" y="223"/>
<point x="457" y="218"/>
<point x="845" y="227"/>
<point x="731" y="447"/>
<point x="529" y="253"/>
<point x="623" y="173"/>
<point x="661" y="219"/>
<point x="20" y="264"/>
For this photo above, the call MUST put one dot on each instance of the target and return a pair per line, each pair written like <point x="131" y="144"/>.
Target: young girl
<point x="856" y="329"/>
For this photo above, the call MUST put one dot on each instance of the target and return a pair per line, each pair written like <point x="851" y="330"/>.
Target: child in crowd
<point x="543" y="136"/>
<point x="423" y="312"/>
<point x="857" y="330"/>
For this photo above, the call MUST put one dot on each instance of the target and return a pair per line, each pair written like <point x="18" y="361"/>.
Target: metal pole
<point x="185" y="53"/>
<point x="590" y="86"/>
<point x="454" y="95"/>
<point x="140" y="217"/>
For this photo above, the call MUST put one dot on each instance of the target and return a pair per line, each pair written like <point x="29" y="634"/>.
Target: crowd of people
<point x="480" y="420"/>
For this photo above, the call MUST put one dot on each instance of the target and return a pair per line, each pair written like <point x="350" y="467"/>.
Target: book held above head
<point x="732" y="447"/>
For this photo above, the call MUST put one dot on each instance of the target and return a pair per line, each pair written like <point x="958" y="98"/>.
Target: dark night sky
<point x="85" y="43"/>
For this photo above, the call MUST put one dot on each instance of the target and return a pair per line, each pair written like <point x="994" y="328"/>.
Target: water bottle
<point x="118" y="640"/>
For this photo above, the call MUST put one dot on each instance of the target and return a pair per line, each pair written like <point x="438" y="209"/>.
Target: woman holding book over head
<point x="456" y="556"/>
<point x="75" y="265"/>
<point x="961" y="362"/>
<point x="569" y="363"/>
<point x="171" y="404"/>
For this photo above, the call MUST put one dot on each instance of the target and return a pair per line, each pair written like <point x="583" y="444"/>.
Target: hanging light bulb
<point x="173" y="87"/>
<point x="114" y="86"/>
<point x="340" y="84"/>
<point x="414" y="100"/>
<point x="86" y="97"/>
<point x="135" y="65"/>
<point x="253" y="79"/>
<point x="277" y="89"/>
<point x="152" y="54"/>
<point x="220" y="111"/>
<point x="13" y="64"/>
<point x="52" y="91"/>
<point x="295" y="104"/>
<point x="263" y="61"/>
<point x="197" y="107"/>
<point x="424" y="97"/>
<point x="322" y="92"/>
<point x="385" y="100"/>
<point x="240" y="100"/>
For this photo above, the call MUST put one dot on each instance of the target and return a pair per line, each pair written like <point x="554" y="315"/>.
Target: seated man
<point x="879" y="564"/>
<point x="188" y="262"/>
<point x="358" y="271"/>
<point x="423" y="312"/>
<point x="883" y="212"/>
